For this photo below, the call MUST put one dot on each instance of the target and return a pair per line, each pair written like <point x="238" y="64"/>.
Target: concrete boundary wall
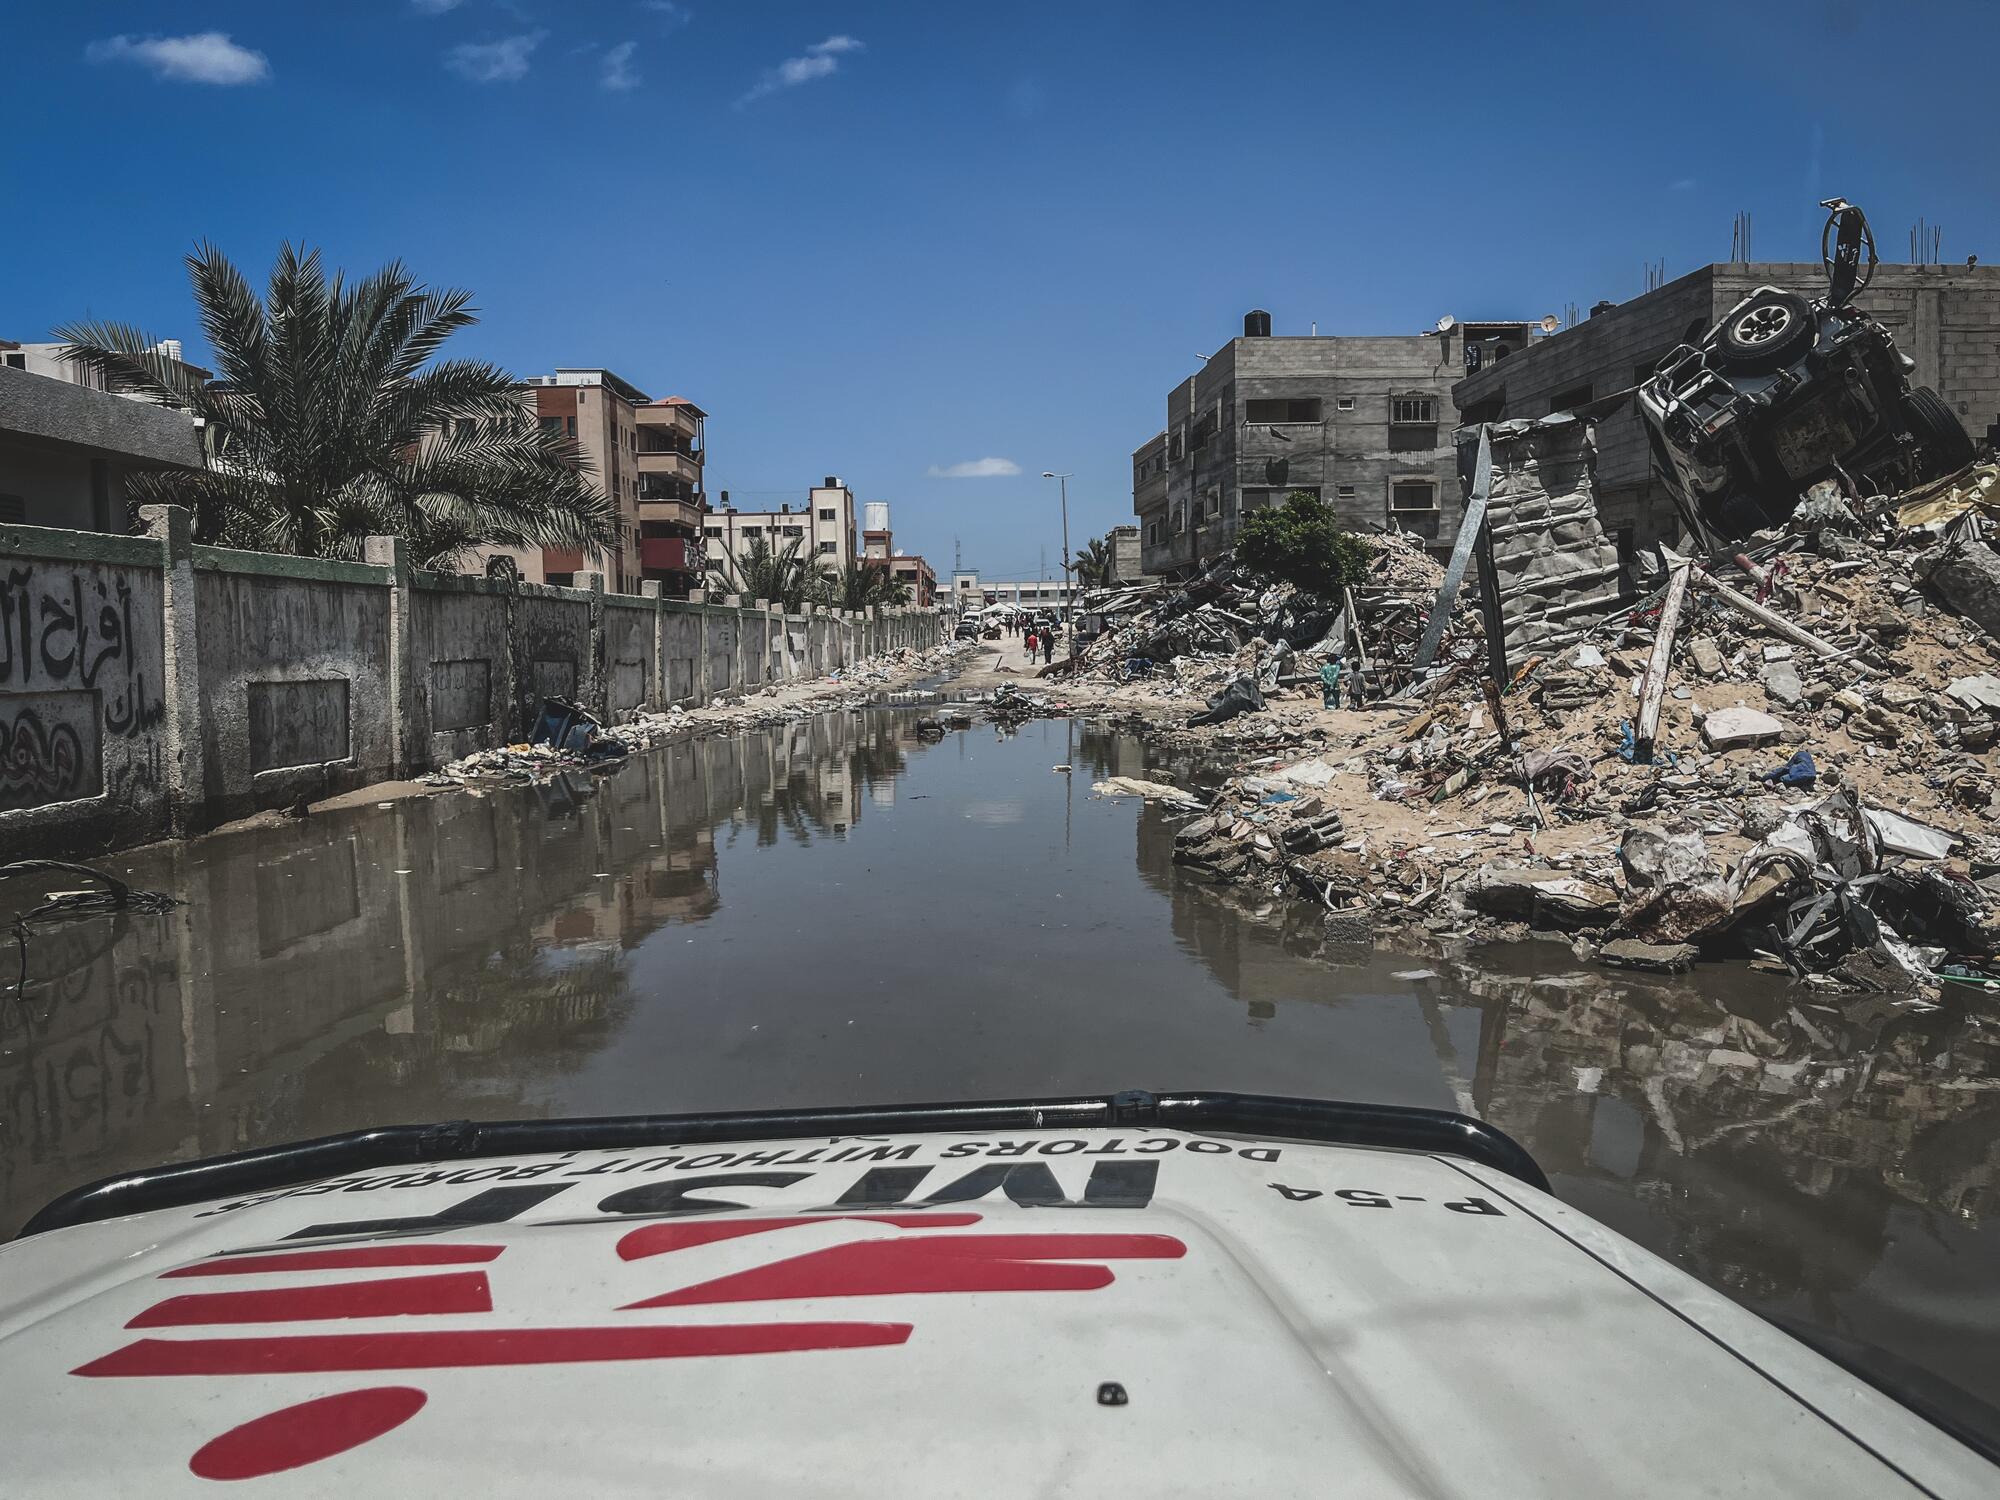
<point x="150" y="686"/>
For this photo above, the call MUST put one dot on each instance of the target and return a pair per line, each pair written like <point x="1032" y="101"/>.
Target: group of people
<point x="1040" y="635"/>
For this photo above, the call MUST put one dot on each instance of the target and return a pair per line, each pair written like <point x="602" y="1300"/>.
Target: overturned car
<point x="1788" y="390"/>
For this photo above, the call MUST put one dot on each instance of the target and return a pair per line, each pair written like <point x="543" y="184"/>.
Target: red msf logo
<point x="312" y="1430"/>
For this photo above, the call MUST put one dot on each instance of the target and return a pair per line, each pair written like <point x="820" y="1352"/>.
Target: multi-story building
<point x="1363" y="422"/>
<point x="1945" y="318"/>
<point x="647" y="457"/>
<point x="823" y="527"/>
<point x="672" y="449"/>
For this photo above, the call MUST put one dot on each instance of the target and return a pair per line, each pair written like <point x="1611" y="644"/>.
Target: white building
<point x="823" y="526"/>
<point x="970" y="591"/>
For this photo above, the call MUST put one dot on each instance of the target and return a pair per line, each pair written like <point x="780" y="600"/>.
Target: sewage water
<point x="837" y="912"/>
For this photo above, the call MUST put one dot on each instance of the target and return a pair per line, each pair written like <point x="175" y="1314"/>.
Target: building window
<point x="1413" y="411"/>
<point x="795" y="531"/>
<point x="714" y="530"/>
<point x="569" y="426"/>
<point x="1343" y="492"/>
<point x="826" y="515"/>
<point x="1413" y="494"/>
<point x="552" y="426"/>
<point x="1273" y="411"/>
<point x="1343" y="403"/>
<point x="751" y="533"/>
<point x="17" y="361"/>
<point x="1570" y="399"/>
<point x="826" y="547"/>
<point x="1203" y="431"/>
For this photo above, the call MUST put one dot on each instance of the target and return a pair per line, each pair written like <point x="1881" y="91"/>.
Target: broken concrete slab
<point x="1781" y="681"/>
<point x="1982" y="691"/>
<point x="1707" y="656"/>
<point x="1652" y="858"/>
<point x="1552" y="896"/>
<point x="1965" y="575"/>
<point x="1653" y="958"/>
<point x="1733" y="728"/>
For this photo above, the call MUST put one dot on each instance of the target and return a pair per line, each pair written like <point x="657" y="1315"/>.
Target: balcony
<point x="668" y="419"/>
<point x="672" y="511"/>
<point x="669" y="554"/>
<point x="670" y="464"/>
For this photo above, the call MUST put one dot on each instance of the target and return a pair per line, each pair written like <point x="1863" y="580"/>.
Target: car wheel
<point x="1773" y="328"/>
<point x="1947" y="445"/>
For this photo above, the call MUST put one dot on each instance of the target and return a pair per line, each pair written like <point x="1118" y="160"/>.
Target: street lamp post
<point x="1069" y="598"/>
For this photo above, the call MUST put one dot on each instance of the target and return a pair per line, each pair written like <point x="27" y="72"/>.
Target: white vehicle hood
<point x="1087" y="1312"/>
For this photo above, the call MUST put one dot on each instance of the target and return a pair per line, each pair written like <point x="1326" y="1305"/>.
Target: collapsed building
<point x="1767" y="741"/>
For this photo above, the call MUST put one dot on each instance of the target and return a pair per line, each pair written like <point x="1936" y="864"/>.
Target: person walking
<point x="1032" y="643"/>
<point x="1048" y="645"/>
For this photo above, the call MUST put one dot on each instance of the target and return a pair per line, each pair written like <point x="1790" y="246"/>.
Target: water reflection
<point x="836" y="912"/>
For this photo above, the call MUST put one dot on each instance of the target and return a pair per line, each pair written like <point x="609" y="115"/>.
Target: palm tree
<point x="862" y="586"/>
<point x="784" y="575"/>
<point x="1093" y="563"/>
<point x="331" y="421"/>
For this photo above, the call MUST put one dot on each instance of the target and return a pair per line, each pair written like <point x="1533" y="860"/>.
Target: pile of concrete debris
<point x="1236" y="640"/>
<point x="1791" y="764"/>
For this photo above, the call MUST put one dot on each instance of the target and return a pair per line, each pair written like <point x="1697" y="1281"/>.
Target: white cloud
<point x="821" y="59"/>
<point x="977" y="468"/>
<point x="503" y="61"/>
<point x="671" y="13"/>
<point x="205" y="57"/>
<point x="617" y="71"/>
<point x="1681" y="185"/>
<point x="434" y="7"/>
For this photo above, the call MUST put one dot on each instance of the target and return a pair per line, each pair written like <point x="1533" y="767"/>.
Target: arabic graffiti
<point x="68" y="644"/>
<point x="48" y="749"/>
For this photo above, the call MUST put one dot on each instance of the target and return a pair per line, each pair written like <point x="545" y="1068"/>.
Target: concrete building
<point x="1946" y="318"/>
<point x="672" y="448"/>
<point x="68" y="449"/>
<point x="970" y="591"/>
<point x="647" y="456"/>
<point x="600" y="412"/>
<point x="1363" y="422"/>
<point x="823" y="526"/>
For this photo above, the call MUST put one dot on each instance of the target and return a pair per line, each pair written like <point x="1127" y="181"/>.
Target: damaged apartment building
<point x="1945" y="318"/>
<point x="1364" y="422"/>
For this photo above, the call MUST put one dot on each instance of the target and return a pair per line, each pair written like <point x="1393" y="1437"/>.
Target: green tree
<point x="862" y="586"/>
<point x="786" y="575"/>
<point x="1092" y="563"/>
<point x="1302" y="543"/>
<point x="331" y="420"/>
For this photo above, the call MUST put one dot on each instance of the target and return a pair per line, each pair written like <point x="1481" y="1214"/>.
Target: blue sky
<point x="885" y="241"/>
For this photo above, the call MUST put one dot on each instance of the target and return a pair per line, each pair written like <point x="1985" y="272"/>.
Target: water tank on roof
<point x="832" y="482"/>
<point x="1256" y="324"/>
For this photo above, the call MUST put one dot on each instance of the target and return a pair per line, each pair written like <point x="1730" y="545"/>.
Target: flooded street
<point x="837" y="913"/>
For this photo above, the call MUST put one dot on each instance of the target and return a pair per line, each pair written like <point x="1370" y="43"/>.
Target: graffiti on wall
<point x="298" y="723"/>
<point x="49" y="749"/>
<point x="71" y="676"/>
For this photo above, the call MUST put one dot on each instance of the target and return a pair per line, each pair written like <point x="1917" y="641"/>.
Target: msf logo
<point x="274" y="1311"/>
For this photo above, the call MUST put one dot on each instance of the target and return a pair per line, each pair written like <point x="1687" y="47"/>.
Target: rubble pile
<point x="1813" y="788"/>
<point x="1227" y="630"/>
<point x="855" y="686"/>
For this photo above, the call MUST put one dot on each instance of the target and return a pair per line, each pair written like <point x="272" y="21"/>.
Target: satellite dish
<point x="1446" y="323"/>
<point x="1551" y="323"/>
